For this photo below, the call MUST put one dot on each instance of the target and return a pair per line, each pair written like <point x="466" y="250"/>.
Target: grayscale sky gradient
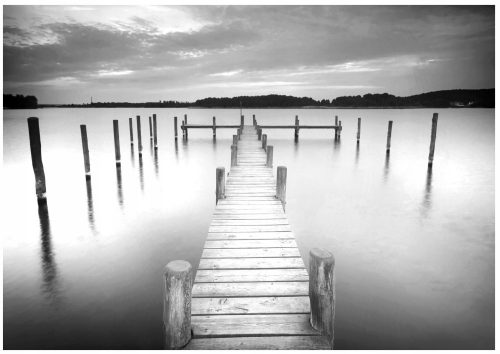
<point x="65" y="54"/>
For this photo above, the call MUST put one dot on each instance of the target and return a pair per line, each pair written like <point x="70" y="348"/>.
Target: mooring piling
<point x="264" y="141"/>
<point x="234" y="158"/>
<point x="281" y="185"/>
<point x="235" y="139"/>
<point x="85" y="146"/>
<point x="155" y="132"/>
<point x="131" y="131"/>
<point x="175" y="128"/>
<point x="337" y="127"/>
<point x="150" y="129"/>
<point x="254" y="120"/>
<point x="433" y="139"/>
<point x="177" y="304"/>
<point x="214" y="134"/>
<point x="269" y="159"/>
<point x="139" y="135"/>
<point x="36" y="158"/>
<point x="220" y="184"/>
<point x="183" y="130"/>
<point x="359" y="131"/>
<point x="296" y="135"/>
<point x="389" y="133"/>
<point x="185" y="125"/>
<point x="259" y="133"/>
<point x="242" y="123"/>
<point x="322" y="292"/>
<point x="116" y="133"/>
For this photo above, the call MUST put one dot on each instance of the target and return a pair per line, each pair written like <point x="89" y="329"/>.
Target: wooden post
<point x="185" y="125"/>
<point x="322" y="292"/>
<point x="175" y="128"/>
<point x="269" y="161"/>
<point x="433" y="139"/>
<point x="139" y="135"/>
<point x="214" y="128"/>
<point x="131" y="131"/>
<point x="117" y="142"/>
<point x="177" y="304"/>
<point x="155" y="132"/>
<point x="281" y="185"/>
<point x="150" y="129"/>
<point x="254" y="121"/>
<point x="220" y="184"/>
<point x="259" y="133"/>
<point x="359" y="131"/>
<point x="235" y="139"/>
<point x="264" y="141"/>
<point x="239" y="133"/>
<point x="389" y="133"/>
<point x="234" y="157"/>
<point x="296" y="136"/>
<point x="340" y="128"/>
<point x="183" y="130"/>
<point x="36" y="158"/>
<point x="85" y="146"/>
<point x="336" y="125"/>
<point x="242" y="121"/>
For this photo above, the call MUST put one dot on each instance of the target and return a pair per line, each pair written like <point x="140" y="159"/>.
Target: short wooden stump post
<point x="155" y="132"/>
<point x="139" y="135"/>
<point x="116" y="133"/>
<point x="185" y="126"/>
<point x="339" y="130"/>
<point x="131" y="131"/>
<point x="85" y="146"/>
<point x="214" y="128"/>
<point x="177" y="304"/>
<point x="150" y="129"/>
<point x="359" y="131"/>
<point x="36" y="158"/>
<point x="269" y="161"/>
<point x="389" y="134"/>
<point x="296" y="135"/>
<point x="322" y="292"/>
<point x="220" y="184"/>
<point x="234" y="158"/>
<point x="264" y="141"/>
<point x="281" y="185"/>
<point x="175" y="128"/>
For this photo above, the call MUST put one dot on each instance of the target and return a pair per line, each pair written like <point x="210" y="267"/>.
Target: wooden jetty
<point x="251" y="290"/>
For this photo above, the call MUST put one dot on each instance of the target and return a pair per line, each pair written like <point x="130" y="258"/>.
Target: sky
<point x="68" y="54"/>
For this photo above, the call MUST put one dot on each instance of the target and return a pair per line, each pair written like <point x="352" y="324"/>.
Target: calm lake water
<point x="414" y="250"/>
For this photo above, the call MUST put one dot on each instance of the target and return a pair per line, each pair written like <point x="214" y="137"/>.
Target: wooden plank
<point x="249" y="235"/>
<point x="260" y="343"/>
<point x="260" y="216"/>
<point x="250" y="228"/>
<point x="252" y="325"/>
<point x="249" y="305"/>
<point x="252" y="222"/>
<point x="247" y="275"/>
<point x="251" y="244"/>
<point x="250" y="289"/>
<point x="249" y="252"/>
<point x="250" y="263"/>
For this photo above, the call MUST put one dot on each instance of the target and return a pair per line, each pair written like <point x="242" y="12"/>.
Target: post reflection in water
<point x="386" y="166"/>
<point x="427" y="202"/>
<point x="151" y="148"/>
<point x="132" y="154"/>
<point x="90" y="205"/>
<point x="141" y="173"/>
<point x="155" y="158"/>
<point x="50" y="286"/>
<point x="357" y="153"/>
<point x="176" y="145"/>
<point x="119" y="184"/>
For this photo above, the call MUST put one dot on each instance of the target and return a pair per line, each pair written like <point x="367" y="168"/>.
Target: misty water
<point x="414" y="249"/>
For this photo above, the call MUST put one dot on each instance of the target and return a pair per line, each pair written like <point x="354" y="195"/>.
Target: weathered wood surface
<point x="251" y="288"/>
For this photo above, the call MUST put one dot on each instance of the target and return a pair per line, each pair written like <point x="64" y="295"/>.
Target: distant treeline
<point x="437" y="99"/>
<point x="19" y="101"/>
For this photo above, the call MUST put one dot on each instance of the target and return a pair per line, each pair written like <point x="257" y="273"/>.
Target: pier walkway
<point x="251" y="287"/>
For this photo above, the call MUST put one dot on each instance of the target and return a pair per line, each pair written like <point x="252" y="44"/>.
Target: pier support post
<point x="433" y="139"/>
<point x="281" y="185"/>
<point x="240" y="131"/>
<point x="269" y="161"/>
<point x="131" y="131"/>
<point x="296" y="135"/>
<point x="220" y="184"/>
<point x="175" y="128"/>
<point x="264" y="141"/>
<point x="242" y="123"/>
<point x="36" y="158"/>
<point x="254" y="121"/>
<point x="214" y="128"/>
<point x="183" y="130"/>
<point x="359" y="131"/>
<point x="116" y="133"/>
<point x="389" y="133"/>
<point x="155" y="132"/>
<point x="339" y="130"/>
<point x="259" y="133"/>
<point x="336" y="125"/>
<point x="177" y="304"/>
<point x="235" y="139"/>
<point x="322" y="292"/>
<point x="139" y="135"/>
<point x="150" y="129"/>
<point x="234" y="158"/>
<point x="185" y="125"/>
<point x="85" y="146"/>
